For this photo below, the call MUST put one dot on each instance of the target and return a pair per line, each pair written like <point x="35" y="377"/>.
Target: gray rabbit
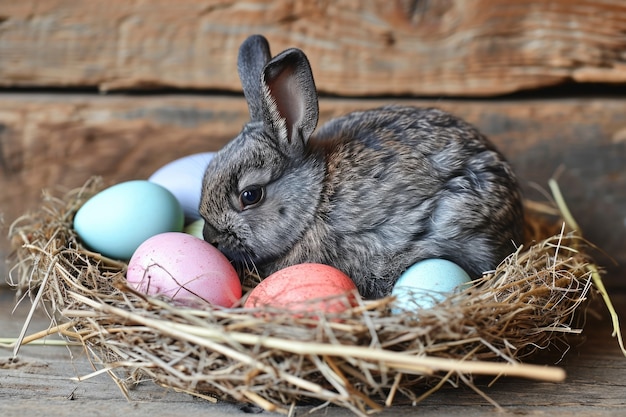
<point x="371" y="193"/>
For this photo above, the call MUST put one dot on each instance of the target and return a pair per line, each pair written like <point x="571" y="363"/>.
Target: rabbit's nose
<point x="210" y="234"/>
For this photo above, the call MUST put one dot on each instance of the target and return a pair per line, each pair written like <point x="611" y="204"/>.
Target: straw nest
<point x="363" y="359"/>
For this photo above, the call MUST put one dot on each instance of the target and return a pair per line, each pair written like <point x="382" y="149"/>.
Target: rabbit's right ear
<point x="254" y="54"/>
<point x="290" y="98"/>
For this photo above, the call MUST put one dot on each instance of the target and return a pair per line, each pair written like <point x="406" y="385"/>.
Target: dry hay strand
<point x="363" y="359"/>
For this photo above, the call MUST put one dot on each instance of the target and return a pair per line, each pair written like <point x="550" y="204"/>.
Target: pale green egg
<point x="195" y="228"/>
<point x="117" y="220"/>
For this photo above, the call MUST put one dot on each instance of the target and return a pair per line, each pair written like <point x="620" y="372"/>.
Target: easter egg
<point x="118" y="219"/>
<point x="183" y="268"/>
<point x="183" y="177"/>
<point x="427" y="283"/>
<point x="195" y="228"/>
<point x="304" y="287"/>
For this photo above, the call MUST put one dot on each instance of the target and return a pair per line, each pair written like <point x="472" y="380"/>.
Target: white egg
<point x="427" y="283"/>
<point x="183" y="178"/>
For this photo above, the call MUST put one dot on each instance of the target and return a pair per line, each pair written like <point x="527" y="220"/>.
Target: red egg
<point x="305" y="287"/>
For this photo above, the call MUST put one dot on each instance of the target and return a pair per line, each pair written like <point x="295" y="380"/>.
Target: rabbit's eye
<point x="251" y="196"/>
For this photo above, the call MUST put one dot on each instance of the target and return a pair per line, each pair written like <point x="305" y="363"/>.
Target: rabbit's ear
<point x="254" y="54"/>
<point x="290" y="98"/>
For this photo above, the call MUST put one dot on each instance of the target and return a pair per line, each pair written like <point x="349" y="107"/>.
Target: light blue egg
<point x="427" y="283"/>
<point x="183" y="177"/>
<point x="117" y="220"/>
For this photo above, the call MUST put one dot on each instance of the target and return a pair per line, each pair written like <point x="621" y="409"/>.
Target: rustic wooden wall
<point x="372" y="47"/>
<point x="59" y="138"/>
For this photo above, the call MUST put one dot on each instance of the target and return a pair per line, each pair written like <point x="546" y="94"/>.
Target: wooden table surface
<point x="39" y="381"/>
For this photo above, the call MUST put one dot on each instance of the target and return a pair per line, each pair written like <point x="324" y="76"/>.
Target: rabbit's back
<point x="404" y="184"/>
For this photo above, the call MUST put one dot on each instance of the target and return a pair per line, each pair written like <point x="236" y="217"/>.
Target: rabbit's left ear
<point x="289" y="97"/>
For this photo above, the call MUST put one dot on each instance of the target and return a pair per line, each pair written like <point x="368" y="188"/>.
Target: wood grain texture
<point x="59" y="141"/>
<point x="374" y="47"/>
<point x="39" y="383"/>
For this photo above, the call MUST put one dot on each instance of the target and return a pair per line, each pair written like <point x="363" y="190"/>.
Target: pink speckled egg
<point x="297" y="287"/>
<point x="184" y="268"/>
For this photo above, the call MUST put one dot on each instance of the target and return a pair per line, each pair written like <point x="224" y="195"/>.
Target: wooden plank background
<point x="374" y="47"/>
<point x="169" y="68"/>
<point x="58" y="138"/>
<point x="50" y="141"/>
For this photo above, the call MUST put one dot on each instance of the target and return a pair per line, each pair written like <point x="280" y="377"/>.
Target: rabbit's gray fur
<point x="371" y="193"/>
